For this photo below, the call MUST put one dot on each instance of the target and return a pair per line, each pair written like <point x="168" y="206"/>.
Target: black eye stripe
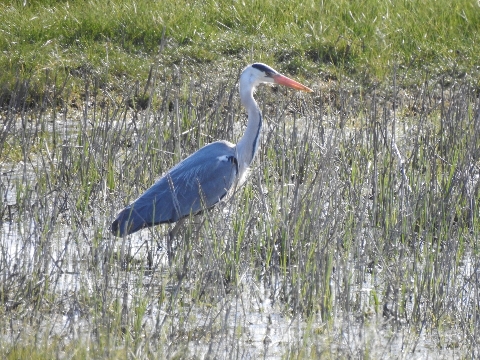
<point x="266" y="69"/>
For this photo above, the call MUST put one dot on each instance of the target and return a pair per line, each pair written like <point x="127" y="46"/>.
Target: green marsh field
<point x="355" y="236"/>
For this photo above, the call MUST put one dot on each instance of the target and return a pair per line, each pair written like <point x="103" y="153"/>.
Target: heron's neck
<point x="248" y="144"/>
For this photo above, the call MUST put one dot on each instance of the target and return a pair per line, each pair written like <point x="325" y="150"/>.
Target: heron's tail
<point x="128" y="222"/>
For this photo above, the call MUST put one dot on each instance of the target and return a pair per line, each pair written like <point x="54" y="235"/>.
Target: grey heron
<point x="204" y="178"/>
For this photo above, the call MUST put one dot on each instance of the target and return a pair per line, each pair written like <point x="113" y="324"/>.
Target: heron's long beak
<point x="283" y="80"/>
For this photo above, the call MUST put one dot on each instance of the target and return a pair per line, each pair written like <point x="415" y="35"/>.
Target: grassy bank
<point x="120" y="40"/>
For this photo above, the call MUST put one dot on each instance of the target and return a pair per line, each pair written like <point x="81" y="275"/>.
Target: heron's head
<point x="258" y="73"/>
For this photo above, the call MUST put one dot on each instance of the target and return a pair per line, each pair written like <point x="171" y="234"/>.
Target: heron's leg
<point x="171" y="236"/>
<point x="198" y="221"/>
<point x="149" y="256"/>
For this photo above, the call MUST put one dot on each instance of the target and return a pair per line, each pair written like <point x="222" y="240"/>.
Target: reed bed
<point x="355" y="236"/>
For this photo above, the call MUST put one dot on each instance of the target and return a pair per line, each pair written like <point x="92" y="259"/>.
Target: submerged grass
<point x="355" y="235"/>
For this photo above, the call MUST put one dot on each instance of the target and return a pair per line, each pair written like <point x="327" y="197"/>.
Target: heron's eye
<point x="269" y="74"/>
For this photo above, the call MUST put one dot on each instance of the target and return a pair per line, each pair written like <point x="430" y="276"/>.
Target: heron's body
<point x="184" y="188"/>
<point x="208" y="175"/>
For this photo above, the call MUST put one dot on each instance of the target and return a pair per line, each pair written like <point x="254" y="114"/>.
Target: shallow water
<point x="85" y="281"/>
<point x="248" y="323"/>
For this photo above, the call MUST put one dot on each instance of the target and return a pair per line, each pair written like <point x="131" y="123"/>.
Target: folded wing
<point x="198" y="182"/>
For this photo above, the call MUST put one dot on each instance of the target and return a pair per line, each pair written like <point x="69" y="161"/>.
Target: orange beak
<point x="283" y="80"/>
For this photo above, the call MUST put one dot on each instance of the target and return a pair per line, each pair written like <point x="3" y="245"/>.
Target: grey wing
<point x="198" y="182"/>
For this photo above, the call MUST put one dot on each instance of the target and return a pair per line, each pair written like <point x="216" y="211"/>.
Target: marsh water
<point x="355" y="236"/>
<point x="266" y="330"/>
<point x="246" y="322"/>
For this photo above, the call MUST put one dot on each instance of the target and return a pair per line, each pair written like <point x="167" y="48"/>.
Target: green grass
<point x="118" y="39"/>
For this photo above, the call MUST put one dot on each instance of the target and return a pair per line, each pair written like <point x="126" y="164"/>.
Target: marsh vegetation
<point x="355" y="236"/>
